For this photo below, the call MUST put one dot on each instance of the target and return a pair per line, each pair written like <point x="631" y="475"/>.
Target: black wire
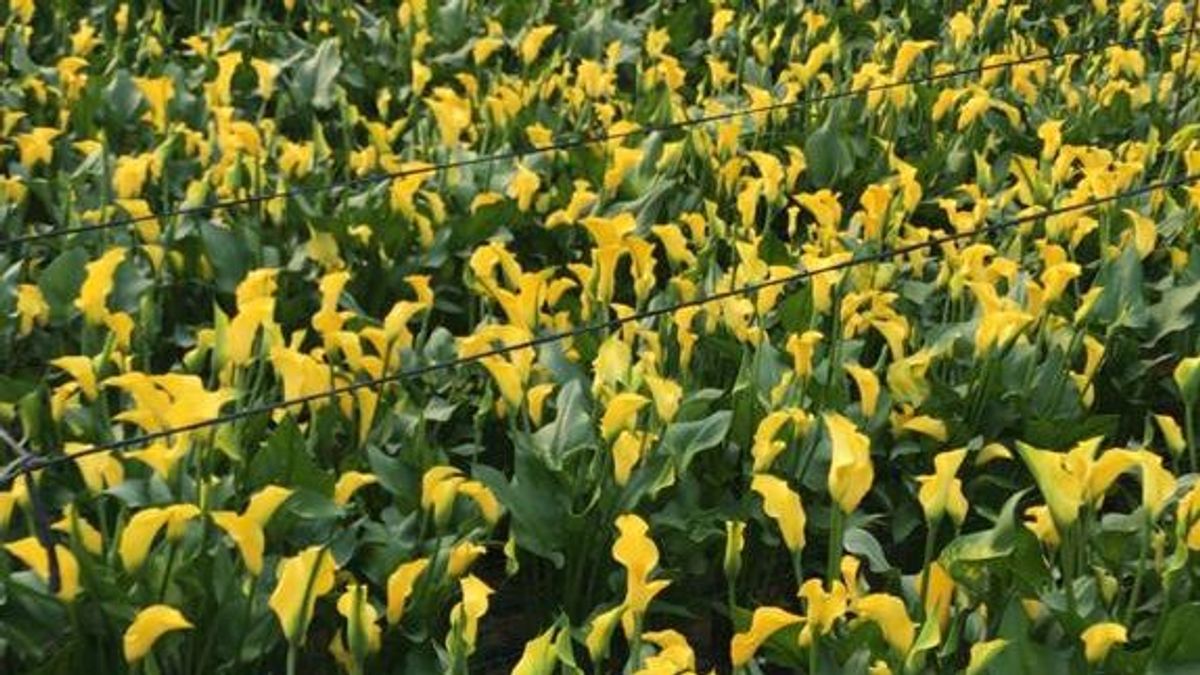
<point x="583" y="141"/>
<point x="36" y="462"/>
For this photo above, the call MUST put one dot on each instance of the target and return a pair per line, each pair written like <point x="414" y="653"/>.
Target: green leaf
<point x="1175" y="649"/>
<point x="285" y="461"/>
<point x="228" y="254"/>
<point x="1172" y="313"/>
<point x="684" y="440"/>
<point x="60" y="282"/>
<point x="316" y="78"/>
<point x="862" y="543"/>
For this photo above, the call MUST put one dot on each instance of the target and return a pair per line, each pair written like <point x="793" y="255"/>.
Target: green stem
<point x="835" y="544"/>
<point x="930" y="542"/>
<point x="1189" y="430"/>
<point x="162" y="587"/>
<point x="291" y="658"/>
<point x="1139" y="575"/>
<point x="813" y="657"/>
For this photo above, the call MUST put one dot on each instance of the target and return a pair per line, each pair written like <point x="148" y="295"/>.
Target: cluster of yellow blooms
<point x="933" y="393"/>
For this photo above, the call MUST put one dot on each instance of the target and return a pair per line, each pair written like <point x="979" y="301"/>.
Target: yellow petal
<point x="247" y="534"/>
<point x="850" y="471"/>
<point x="349" y="483"/>
<point x="621" y="413"/>
<point x="265" y="502"/>
<point x="35" y="557"/>
<point x="783" y="506"/>
<point x="302" y="579"/>
<point x="1099" y="638"/>
<point x="400" y="586"/>
<point x="766" y="622"/>
<point x="887" y="612"/>
<point x="138" y="536"/>
<point x="148" y="626"/>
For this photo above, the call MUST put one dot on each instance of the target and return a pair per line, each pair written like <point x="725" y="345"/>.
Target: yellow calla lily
<point x="636" y="552"/>
<point x="302" y="579"/>
<point x="766" y="622"/>
<point x="783" y="506"/>
<point x="93" y="294"/>
<point x="362" y="630"/>
<point x="888" y="612"/>
<point x="1187" y="378"/>
<point x="350" y="482"/>
<point x="941" y="491"/>
<point x="1074" y="478"/>
<point x="1172" y="434"/>
<point x="138" y="535"/>
<point x="31" y="552"/>
<point x="1099" y="639"/>
<point x="868" y="387"/>
<point x="439" y="485"/>
<point x="823" y="607"/>
<point x="465" y="615"/>
<point x="850" y="471"/>
<point x="150" y="624"/>
<point x="400" y="586"/>
<point x="982" y="654"/>
<point x="621" y="413"/>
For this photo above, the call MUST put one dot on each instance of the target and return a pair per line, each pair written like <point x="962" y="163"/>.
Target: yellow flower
<point x="538" y="657"/>
<point x="621" y="413"/>
<point x="532" y="43"/>
<point x="22" y="9"/>
<point x="1099" y="638"/>
<point x="1074" y="478"/>
<point x="439" y="485"/>
<point x="93" y="294"/>
<point x="1050" y="132"/>
<point x="158" y="92"/>
<point x="600" y="630"/>
<point x="488" y="505"/>
<point x="941" y="491"/>
<point x="1187" y="378"/>
<point x="636" y="552"/>
<point x="940" y="594"/>
<point x="36" y="146"/>
<point x="824" y="207"/>
<point x="465" y="615"/>
<point x="31" y="307"/>
<point x="887" y="612"/>
<point x="451" y="112"/>
<point x="80" y="370"/>
<point x="850" y="471"/>
<point x="523" y="187"/>
<point x="1172" y="434"/>
<point x="400" y="586"/>
<point x="766" y="622"/>
<point x="962" y="28"/>
<point x="363" y="633"/>
<point x="823" y="607"/>
<point x="508" y="379"/>
<point x="148" y="626"/>
<point x="735" y="541"/>
<point x="766" y="448"/>
<point x="350" y="482"/>
<point x="868" y="387"/>
<point x="801" y="348"/>
<point x="31" y="552"/>
<point x="982" y="654"/>
<point x="784" y="506"/>
<point x="666" y="394"/>
<point x="1042" y="525"/>
<point x="246" y="529"/>
<point x="302" y="579"/>
<point x="138" y="535"/>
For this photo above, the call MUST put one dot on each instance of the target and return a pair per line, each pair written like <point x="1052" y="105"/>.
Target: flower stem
<point x="1189" y="429"/>
<point x="1139" y="575"/>
<point x="835" y="544"/>
<point x="291" y="658"/>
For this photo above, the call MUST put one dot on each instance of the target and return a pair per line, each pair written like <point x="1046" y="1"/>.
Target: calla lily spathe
<point x="150" y="624"/>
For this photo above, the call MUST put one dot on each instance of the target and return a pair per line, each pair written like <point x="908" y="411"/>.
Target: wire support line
<point x="579" y="142"/>
<point x="29" y="462"/>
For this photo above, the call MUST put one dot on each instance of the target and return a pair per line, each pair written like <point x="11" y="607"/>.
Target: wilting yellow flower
<point x="400" y="586"/>
<point x="31" y="307"/>
<point x="621" y="413"/>
<point x="138" y="535"/>
<point x="850" y="471"/>
<point x="302" y="579"/>
<point x="636" y="552"/>
<point x="887" y="612"/>
<point x="1099" y="638"/>
<point x="148" y="626"/>
<point x="783" y="505"/>
<point x="766" y="622"/>
<point x="31" y="552"/>
<point x="941" y="491"/>
<point x="363" y="634"/>
<point x="823" y="607"/>
<point x="350" y="482"/>
<point x="93" y="294"/>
